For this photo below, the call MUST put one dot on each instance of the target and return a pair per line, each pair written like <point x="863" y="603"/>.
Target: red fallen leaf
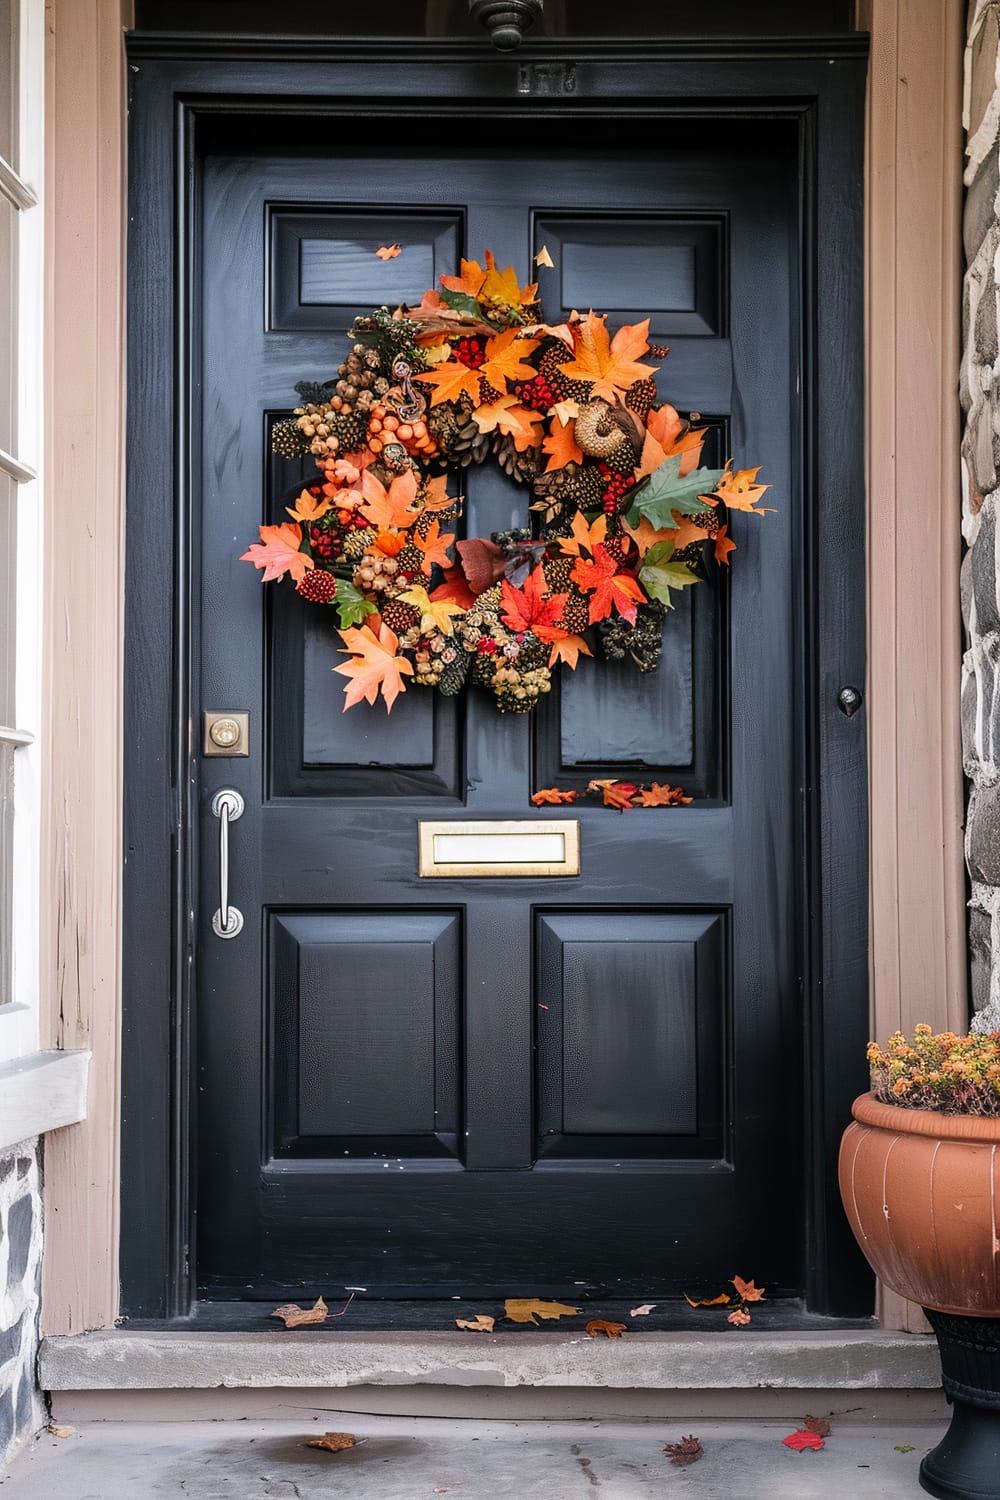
<point x="687" y="1451"/>
<point x="615" y="793"/>
<point x="597" y="1326"/>
<point x="553" y="795"/>
<point x="747" y="1291"/>
<point x="801" y="1440"/>
<point x="819" y="1425"/>
<point x="388" y="252"/>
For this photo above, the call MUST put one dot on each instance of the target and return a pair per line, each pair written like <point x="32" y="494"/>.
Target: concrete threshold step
<point x="848" y="1359"/>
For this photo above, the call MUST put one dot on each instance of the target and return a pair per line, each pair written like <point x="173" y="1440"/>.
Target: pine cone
<point x="640" y="397"/>
<point x="520" y="466"/>
<point x="400" y="616"/>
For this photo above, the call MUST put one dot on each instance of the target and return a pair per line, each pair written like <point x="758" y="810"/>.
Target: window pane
<point x="8" y="328"/>
<point x="8" y="561"/>
<point x="6" y="864"/>
<point x="8" y="82"/>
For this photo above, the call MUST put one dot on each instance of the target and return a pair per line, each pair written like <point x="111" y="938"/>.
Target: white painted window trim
<point x="22" y="182"/>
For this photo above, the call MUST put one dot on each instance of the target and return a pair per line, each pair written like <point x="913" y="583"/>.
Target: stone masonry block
<point x="980" y="956"/>
<point x="982" y="62"/>
<point x="984" y="564"/>
<point x="982" y="835"/>
<point x="980" y="204"/>
<point x="984" y="910"/>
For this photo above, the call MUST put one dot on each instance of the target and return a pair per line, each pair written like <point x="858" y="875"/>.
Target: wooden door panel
<point x="363" y="1016"/>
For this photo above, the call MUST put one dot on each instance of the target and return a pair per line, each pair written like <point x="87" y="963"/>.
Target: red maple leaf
<point x="609" y="588"/>
<point x="801" y="1439"/>
<point x="528" y="608"/>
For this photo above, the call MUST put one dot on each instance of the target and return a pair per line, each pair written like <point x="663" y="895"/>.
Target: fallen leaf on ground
<point x="640" y="1312"/>
<point x="687" y="1451"/>
<point x="718" y="1301"/>
<point x="740" y="1317"/>
<point x="615" y="793"/>
<point x="530" y="1309"/>
<point x="747" y="1291"/>
<point x="294" y="1316"/>
<point x="62" y="1432"/>
<point x="388" y="252"/>
<point x="553" y="795"/>
<point x="903" y="1448"/>
<point x="597" y="1326"/>
<point x="819" y="1425"/>
<point x="334" y="1442"/>
<point x="479" y="1324"/>
<point x="801" y="1440"/>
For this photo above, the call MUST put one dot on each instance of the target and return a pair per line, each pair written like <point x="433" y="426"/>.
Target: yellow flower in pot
<point x="920" y="1182"/>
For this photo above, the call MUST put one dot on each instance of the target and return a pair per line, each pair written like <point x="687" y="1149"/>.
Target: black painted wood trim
<point x="176" y="81"/>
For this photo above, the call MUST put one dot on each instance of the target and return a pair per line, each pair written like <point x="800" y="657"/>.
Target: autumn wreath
<point x="622" y="515"/>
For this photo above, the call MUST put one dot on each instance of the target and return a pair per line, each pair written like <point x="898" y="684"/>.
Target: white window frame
<point x="22" y="182"/>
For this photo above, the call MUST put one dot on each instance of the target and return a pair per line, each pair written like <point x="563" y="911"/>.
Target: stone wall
<point x="980" y="391"/>
<point x="21" y="1411"/>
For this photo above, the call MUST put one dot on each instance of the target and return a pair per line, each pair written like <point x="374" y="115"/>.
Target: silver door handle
<point x="227" y="806"/>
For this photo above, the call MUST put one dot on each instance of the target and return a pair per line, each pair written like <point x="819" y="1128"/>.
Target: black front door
<point x="423" y="1085"/>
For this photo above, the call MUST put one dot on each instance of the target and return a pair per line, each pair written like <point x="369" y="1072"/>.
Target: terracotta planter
<point x="922" y="1193"/>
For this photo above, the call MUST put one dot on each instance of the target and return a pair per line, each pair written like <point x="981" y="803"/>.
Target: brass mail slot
<point x="508" y="847"/>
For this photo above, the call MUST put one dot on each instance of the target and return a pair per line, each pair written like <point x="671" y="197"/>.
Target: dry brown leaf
<point x="479" y="1324"/>
<point x="388" y="252"/>
<point x="333" y="1442"/>
<point x="718" y="1301"/>
<point x="687" y="1451"/>
<point x="65" y="1432"/>
<point x="531" y="1309"/>
<point x="819" y="1425"/>
<point x="747" y="1291"/>
<point x="597" y="1326"/>
<point x="294" y="1316"/>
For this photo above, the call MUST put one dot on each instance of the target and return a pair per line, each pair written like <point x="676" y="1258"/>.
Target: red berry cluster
<point x="616" y="486"/>
<point x="317" y="586"/>
<point x="323" y="542"/>
<point x="538" y="394"/>
<point x="470" y="352"/>
<point x="486" y="646"/>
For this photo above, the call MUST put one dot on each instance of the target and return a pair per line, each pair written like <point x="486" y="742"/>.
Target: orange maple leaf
<point x="608" y="362"/>
<point x="307" y="507"/>
<point x="666" y="435"/>
<point x="434" y="546"/>
<point x="392" y="507"/>
<point x="614" y="793"/>
<point x="388" y="252"/>
<point x="645" y="534"/>
<point x="373" y="665"/>
<point x="739" y="492"/>
<point x="280" y="553"/>
<point x="450" y="381"/>
<point x="390" y="543"/>
<point x="608" y="588"/>
<point x="509" y="416"/>
<point x="584" y="537"/>
<point x="561" y="444"/>
<point x="552" y="795"/>
<point x="718" y="1301"/>
<point x="723" y="546"/>
<point x="504" y="360"/>
<point x="569" y="648"/>
<point x="470" y="281"/>
<point x="747" y="1291"/>
<point x="434" y="495"/>
<point x="529" y="608"/>
<point x="662" y="796"/>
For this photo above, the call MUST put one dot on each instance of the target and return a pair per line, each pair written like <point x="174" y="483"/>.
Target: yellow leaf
<point x="739" y="491"/>
<point x="584" y="538"/>
<point x="450" y="381"/>
<point x="502" y="286"/>
<point x="435" y="614"/>
<point x="504" y="358"/>
<point x="530" y="1310"/>
<point x="543" y="258"/>
<point x="479" y="1324"/>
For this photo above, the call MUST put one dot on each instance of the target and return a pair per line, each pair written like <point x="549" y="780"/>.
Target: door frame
<point x="175" y="85"/>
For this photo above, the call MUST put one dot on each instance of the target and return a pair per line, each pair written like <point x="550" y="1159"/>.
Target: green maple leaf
<point x="668" y="490"/>
<point x="659" y="574"/>
<point x="461" y="302"/>
<point x="352" y="606"/>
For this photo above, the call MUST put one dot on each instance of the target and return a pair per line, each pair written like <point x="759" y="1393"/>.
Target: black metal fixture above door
<point x="506" y="20"/>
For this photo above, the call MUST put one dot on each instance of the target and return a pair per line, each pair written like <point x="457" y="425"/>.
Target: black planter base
<point x="965" y="1465"/>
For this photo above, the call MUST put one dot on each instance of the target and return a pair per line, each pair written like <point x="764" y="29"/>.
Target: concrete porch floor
<point x="400" y="1458"/>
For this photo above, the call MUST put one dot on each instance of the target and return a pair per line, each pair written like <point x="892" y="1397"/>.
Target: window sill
<point x="41" y="1092"/>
